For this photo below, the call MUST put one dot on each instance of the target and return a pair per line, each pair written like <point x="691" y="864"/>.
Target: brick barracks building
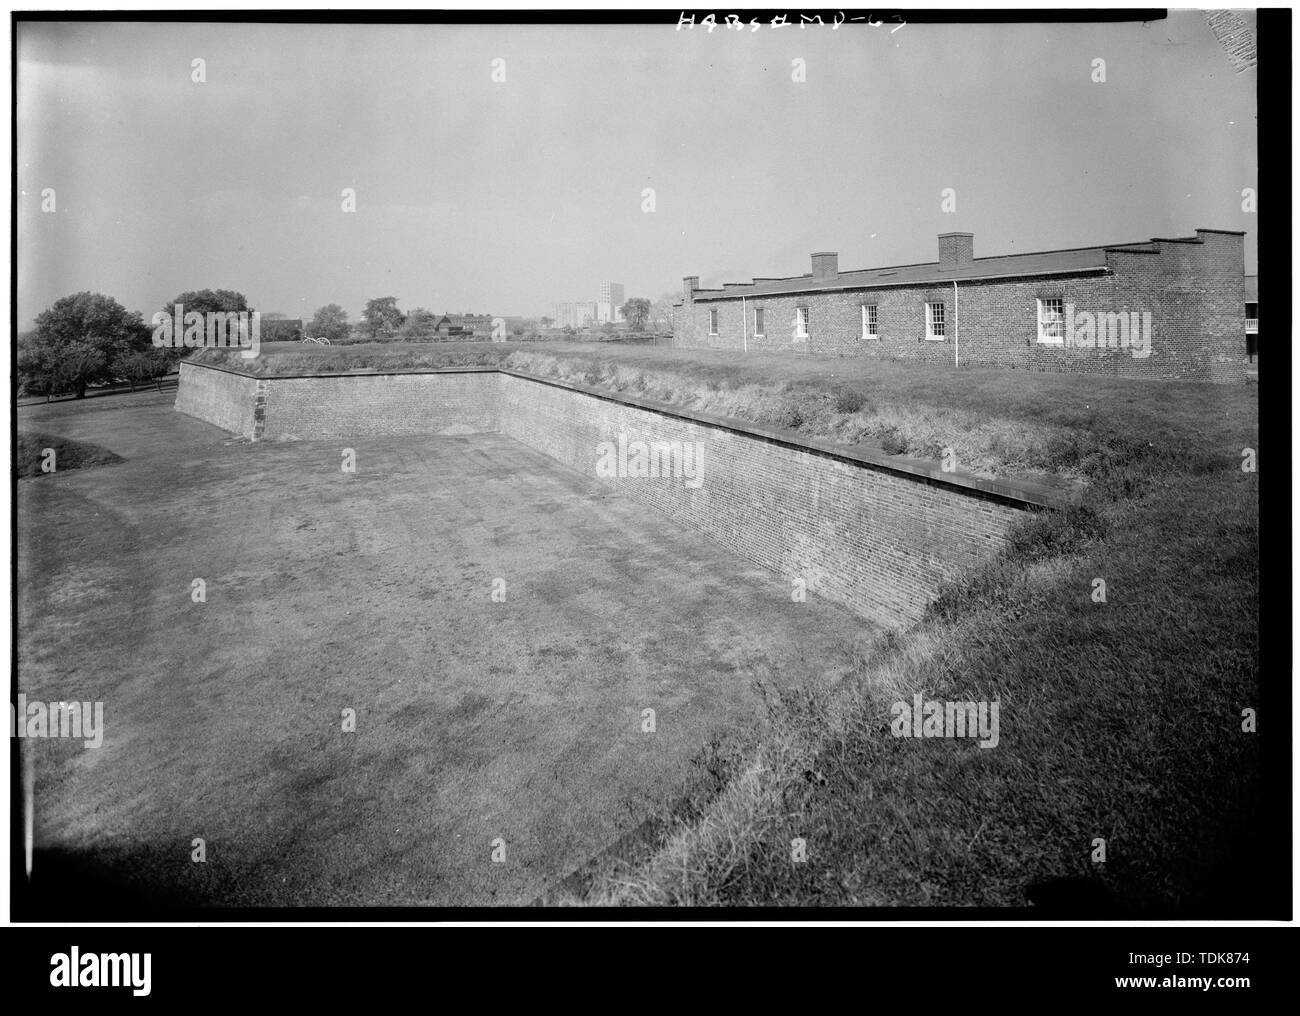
<point x="1166" y="308"/>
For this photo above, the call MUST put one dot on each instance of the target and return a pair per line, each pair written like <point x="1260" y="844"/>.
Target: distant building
<point x="609" y="308"/>
<point x="475" y="325"/>
<point x="575" y="315"/>
<point x="583" y="313"/>
<point x="1172" y="308"/>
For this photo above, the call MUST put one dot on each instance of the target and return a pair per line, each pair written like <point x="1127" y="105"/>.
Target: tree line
<point x="89" y="339"/>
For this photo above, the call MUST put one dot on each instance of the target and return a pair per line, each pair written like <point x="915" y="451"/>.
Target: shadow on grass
<point x="41" y="454"/>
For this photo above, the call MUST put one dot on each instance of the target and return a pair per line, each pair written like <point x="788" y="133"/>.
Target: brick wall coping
<point x="1022" y="494"/>
<point x="470" y="368"/>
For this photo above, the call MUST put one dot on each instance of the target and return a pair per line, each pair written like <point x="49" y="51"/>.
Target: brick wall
<point x="222" y="398"/>
<point x="876" y="542"/>
<point x="1193" y="291"/>
<point x="856" y="532"/>
<point x="361" y="405"/>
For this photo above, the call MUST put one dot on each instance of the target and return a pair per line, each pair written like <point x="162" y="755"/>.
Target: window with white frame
<point x="758" y="322"/>
<point x="934" y="324"/>
<point x="1051" y="321"/>
<point x="713" y="322"/>
<point x="801" y="322"/>
<point x="870" y="328"/>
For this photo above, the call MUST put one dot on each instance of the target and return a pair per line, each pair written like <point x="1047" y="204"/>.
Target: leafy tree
<point x="202" y="301"/>
<point x="382" y="316"/>
<point x="661" y="313"/>
<point x="330" y="321"/>
<point x="76" y="343"/>
<point x="636" y="311"/>
<point x="419" y="324"/>
<point x="143" y="366"/>
<point x="206" y="300"/>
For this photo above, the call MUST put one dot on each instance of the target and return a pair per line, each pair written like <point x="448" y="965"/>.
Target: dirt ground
<point x="510" y="728"/>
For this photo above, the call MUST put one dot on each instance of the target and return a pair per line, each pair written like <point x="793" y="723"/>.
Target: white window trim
<point x="760" y="334"/>
<point x="801" y="322"/>
<point x="713" y="321"/>
<point x="866" y="318"/>
<point x="930" y="336"/>
<point x="1051" y="340"/>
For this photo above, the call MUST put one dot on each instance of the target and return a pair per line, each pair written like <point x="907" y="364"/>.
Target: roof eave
<point x="712" y="295"/>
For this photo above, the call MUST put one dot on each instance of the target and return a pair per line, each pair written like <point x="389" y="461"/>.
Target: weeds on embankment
<point x="995" y="423"/>
<point x="1120" y="722"/>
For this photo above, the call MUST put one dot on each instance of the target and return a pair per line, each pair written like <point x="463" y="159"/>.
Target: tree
<point x="661" y="313"/>
<point x="76" y="342"/>
<point x="206" y="300"/>
<point x="142" y="366"/>
<point x="382" y="316"/>
<point x="331" y="321"/>
<point x="419" y="324"/>
<point x="636" y="311"/>
<point x="202" y="301"/>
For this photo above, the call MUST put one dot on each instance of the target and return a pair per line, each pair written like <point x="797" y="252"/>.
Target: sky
<point x="507" y="196"/>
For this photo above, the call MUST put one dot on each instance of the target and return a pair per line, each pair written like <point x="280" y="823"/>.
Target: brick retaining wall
<point x="875" y="533"/>
<point x="223" y="398"/>
<point x="875" y="541"/>
<point x="365" y="405"/>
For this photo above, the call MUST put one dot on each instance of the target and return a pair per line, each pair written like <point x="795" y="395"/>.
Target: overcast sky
<point x="505" y="197"/>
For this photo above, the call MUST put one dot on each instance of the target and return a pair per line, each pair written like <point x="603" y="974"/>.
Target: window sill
<point x="1051" y="342"/>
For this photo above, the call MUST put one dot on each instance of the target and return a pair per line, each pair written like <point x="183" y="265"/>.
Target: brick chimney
<point x="689" y="285"/>
<point x="825" y="265"/>
<point x="956" y="249"/>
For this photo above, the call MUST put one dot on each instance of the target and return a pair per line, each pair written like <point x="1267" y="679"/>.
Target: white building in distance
<point x="609" y="308"/>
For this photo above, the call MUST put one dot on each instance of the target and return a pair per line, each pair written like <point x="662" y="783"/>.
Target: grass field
<point x="476" y="720"/>
<point x="1121" y="720"/>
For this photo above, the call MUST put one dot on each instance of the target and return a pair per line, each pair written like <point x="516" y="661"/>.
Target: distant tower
<point x="610" y="304"/>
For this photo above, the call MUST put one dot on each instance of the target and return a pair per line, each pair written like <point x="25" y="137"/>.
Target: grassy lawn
<point x="475" y="720"/>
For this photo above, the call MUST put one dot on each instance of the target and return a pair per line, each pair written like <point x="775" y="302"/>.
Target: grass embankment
<point x="32" y="449"/>
<point x="1119" y="721"/>
<point x="993" y="425"/>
